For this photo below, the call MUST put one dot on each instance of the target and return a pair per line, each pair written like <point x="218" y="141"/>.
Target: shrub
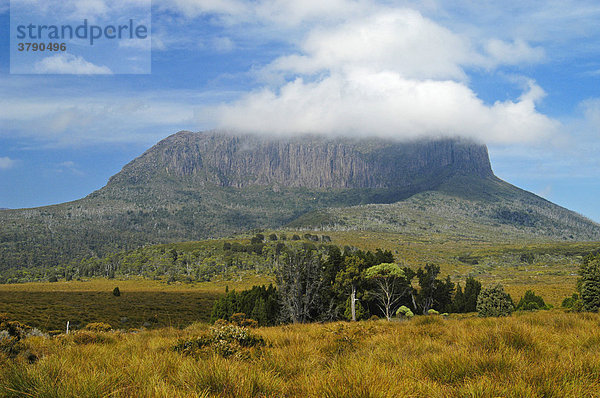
<point x="493" y="301"/>
<point x="240" y="319"/>
<point x="116" y="292"/>
<point x="531" y="302"/>
<point x="98" y="327"/>
<point x="573" y="303"/>
<point x="90" y="337"/>
<point x="223" y="339"/>
<point x="404" y="312"/>
<point x="432" y="312"/>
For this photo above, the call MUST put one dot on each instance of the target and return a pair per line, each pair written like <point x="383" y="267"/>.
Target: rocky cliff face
<point x="311" y="162"/>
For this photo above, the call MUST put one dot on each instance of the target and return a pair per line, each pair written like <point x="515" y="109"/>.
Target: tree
<point x="298" y="273"/>
<point x="471" y="292"/>
<point x="590" y="283"/>
<point x="389" y="277"/>
<point x="493" y="301"/>
<point x="348" y="280"/>
<point x="459" y="300"/>
<point x="434" y="292"/>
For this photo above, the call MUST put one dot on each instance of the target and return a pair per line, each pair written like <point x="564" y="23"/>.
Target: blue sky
<point x="521" y="76"/>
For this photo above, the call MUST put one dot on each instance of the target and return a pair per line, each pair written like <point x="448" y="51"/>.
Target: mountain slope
<point x="198" y="185"/>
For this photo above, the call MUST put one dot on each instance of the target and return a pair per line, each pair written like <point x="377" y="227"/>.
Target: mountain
<point x="197" y="185"/>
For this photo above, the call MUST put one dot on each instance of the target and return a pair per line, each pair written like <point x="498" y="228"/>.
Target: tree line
<point x="327" y="283"/>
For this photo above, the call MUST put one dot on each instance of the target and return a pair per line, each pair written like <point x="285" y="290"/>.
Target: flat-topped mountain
<point x="304" y="162"/>
<point x="199" y="185"/>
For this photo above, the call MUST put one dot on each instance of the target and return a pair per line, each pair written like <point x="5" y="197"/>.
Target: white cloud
<point x="513" y="53"/>
<point x="401" y="41"/>
<point x="7" y="163"/>
<point x="394" y="74"/>
<point x="70" y="65"/>
<point x="386" y="104"/>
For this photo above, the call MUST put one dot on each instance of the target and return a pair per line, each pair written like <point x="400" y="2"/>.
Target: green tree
<point x="590" y="283"/>
<point x="494" y="301"/>
<point x="471" y="292"/>
<point x="348" y="280"/>
<point x="389" y="278"/>
<point x="434" y="292"/>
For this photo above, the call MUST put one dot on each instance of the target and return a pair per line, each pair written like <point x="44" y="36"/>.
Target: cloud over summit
<point x="394" y="74"/>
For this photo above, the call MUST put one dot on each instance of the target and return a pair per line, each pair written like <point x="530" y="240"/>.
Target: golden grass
<point x="48" y="306"/>
<point x="543" y="354"/>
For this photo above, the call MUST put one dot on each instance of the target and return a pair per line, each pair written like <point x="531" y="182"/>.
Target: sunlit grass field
<point x="542" y="354"/>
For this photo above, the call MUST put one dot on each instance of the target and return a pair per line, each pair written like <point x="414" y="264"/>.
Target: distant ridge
<point x="193" y="186"/>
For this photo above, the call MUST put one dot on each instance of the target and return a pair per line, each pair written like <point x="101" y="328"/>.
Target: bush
<point x="493" y="301"/>
<point x="573" y="303"/>
<point x="432" y="312"/>
<point x="531" y="302"/>
<point x="98" y="327"/>
<point x="116" y="292"/>
<point x="223" y="339"/>
<point x="404" y="312"/>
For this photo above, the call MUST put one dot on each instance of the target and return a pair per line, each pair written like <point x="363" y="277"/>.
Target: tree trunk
<point x="353" y="303"/>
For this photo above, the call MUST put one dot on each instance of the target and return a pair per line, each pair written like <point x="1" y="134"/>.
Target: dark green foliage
<point x="361" y="312"/>
<point x="466" y="301"/>
<point x="573" y="303"/>
<point x="531" y="302"/>
<point x="295" y="237"/>
<point x="494" y="301"/>
<point x="590" y="283"/>
<point x="259" y="303"/>
<point x="257" y="239"/>
<point x="528" y="258"/>
<point x="434" y="293"/>
<point x="116" y="292"/>
<point x="273" y="237"/>
<point x="53" y="278"/>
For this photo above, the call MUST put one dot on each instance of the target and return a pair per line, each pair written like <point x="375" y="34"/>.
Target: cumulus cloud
<point x="6" y="163"/>
<point x="69" y="64"/>
<point x="393" y="74"/>
<point x="386" y="104"/>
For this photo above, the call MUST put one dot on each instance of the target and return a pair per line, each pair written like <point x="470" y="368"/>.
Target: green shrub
<point x="493" y="301"/>
<point x="223" y="339"/>
<point x="432" y="312"/>
<point x="404" y="312"/>
<point x="531" y="302"/>
<point x="116" y="292"/>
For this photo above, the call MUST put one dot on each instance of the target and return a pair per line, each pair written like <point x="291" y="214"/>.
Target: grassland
<point x="48" y="306"/>
<point x="543" y="354"/>
<point x="552" y="273"/>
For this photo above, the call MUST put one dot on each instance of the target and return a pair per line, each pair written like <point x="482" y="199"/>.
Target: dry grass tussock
<point x="544" y="354"/>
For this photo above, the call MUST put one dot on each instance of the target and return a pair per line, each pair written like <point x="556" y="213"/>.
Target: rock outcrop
<point x="241" y="161"/>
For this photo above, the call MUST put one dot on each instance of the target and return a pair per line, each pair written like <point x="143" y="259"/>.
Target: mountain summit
<point x="199" y="185"/>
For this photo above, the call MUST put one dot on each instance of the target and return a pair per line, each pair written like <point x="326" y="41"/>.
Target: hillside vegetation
<point x="194" y="186"/>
